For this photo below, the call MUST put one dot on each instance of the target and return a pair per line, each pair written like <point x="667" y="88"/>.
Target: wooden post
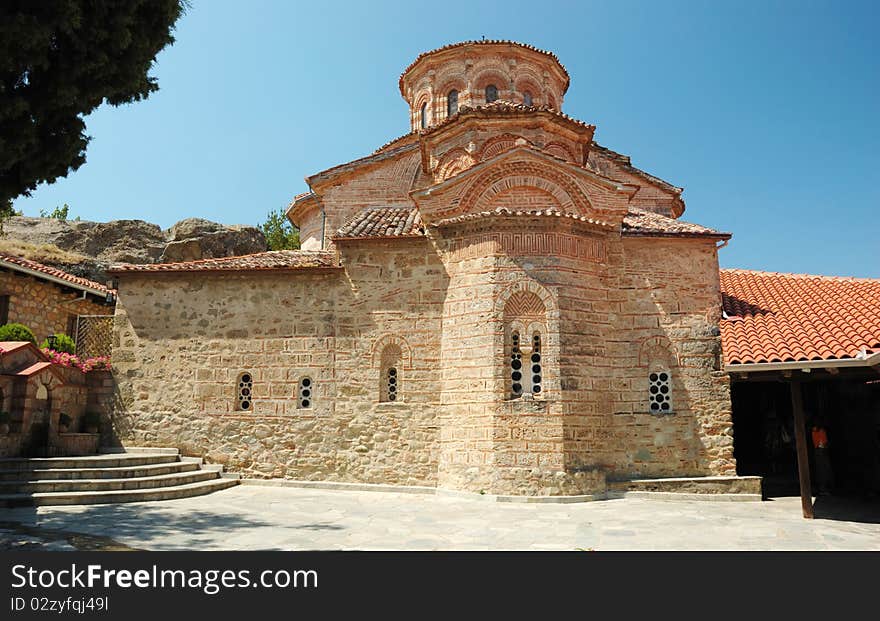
<point x="803" y="457"/>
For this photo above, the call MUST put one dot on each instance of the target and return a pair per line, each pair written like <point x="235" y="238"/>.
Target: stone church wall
<point x="183" y="341"/>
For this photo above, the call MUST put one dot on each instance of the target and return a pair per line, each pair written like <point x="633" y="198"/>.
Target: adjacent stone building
<point x="492" y="302"/>
<point x="48" y="300"/>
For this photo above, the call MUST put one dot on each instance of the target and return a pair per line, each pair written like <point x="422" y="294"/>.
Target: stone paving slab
<point x="280" y="518"/>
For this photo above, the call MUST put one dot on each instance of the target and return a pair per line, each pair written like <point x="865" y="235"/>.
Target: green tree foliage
<point x="280" y="233"/>
<point x="17" y="332"/>
<point x="59" y="213"/>
<point x="63" y="343"/>
<point x="59" y="60"/>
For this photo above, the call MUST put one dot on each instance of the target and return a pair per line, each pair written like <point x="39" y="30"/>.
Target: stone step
<point x="136" y="450"/>
<point x="105" y="497"/>
<point x="16" y="464"/>
<point x="101" y="485"/>
<point x="54" y="474"/>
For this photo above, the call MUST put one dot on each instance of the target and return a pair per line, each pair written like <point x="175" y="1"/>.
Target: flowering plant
<point x="71" y="360"/>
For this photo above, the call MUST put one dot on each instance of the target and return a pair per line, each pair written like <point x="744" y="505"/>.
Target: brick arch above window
<point x="658" y="351"/>
<point x="386" y="343"/>
<point x="523" y="294"/>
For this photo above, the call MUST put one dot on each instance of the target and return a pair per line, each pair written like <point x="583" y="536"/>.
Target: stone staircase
<point x="135" y="475"/>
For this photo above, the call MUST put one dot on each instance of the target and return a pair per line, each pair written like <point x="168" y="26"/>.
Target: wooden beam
<point x="803" y="457"/>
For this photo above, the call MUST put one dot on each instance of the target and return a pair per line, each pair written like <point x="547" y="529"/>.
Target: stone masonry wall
<point x="182" y="342"/>
<point x="42" y="306"/>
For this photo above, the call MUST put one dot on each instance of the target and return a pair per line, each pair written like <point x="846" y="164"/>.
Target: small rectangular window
<point x="4" y="310"/>
<point x="660" y="392"/>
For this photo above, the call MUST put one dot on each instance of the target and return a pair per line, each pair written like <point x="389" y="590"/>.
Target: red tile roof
<point x="381" y="222"/>
<point x="274" y="260"/>
<point x="38" y="270"/>
<point x="772" y="317"/>
<point x="504" y="211"/>
<point x="501" y="107"/>
<point x="640" y="222"/>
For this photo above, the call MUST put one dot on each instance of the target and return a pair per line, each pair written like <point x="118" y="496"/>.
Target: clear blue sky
<point x="765" y="112"/>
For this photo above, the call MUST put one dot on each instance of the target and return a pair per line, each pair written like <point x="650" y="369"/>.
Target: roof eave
<point x="798" y="365"/>
<point x="53" y="279"/>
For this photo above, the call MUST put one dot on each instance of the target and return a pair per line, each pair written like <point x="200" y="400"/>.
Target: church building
<point x="492" y="303"/>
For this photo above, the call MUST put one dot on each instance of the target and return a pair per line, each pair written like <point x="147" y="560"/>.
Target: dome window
<point x="452" y="102"/>
<point x="491" y="93"/>
<point x="527" y="98"/>
<point x="423" y="113"/>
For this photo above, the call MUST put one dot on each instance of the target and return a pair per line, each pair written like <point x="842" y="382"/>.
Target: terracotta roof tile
<point x="77" y="281"/>
<point x="503" y="211"/>
<point x="274" y="260"/>
<point x="380" y="222"/>
<point x="501" y="107"/>
<point x="772" y="317"/>
<point x="486" y="42"/>
<point x="640" y="222"/>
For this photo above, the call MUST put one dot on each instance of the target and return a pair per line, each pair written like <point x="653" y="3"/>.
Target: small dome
<point x="474" y="73"/>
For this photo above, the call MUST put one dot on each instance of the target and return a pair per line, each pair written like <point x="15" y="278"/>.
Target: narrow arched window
<point x="245" y="392"/>
<point x="389" y="374"/>
<point x="452" y="102"/>
<point x="424" y="115"/>
<point x="305" y="392"/>
<point x="527" y="98"/>
<point x="535" y="360"/>
<point x="491" y="93"/>
<point x="660" y="391"/>
<point x="516" y="370"/>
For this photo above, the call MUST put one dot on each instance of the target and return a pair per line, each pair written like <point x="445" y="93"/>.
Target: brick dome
<point x="473" y="73"/>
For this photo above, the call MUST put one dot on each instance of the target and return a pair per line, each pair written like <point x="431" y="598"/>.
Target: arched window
<point x="305" y="392"/>
<point x="424" y="115"/>
<point x="491" y="93"/>
<point x="516" y="376"/>
<point x="660" y="391"/>
<point x="245" y="392"/>
<point x="389" y="374"/>
<point x="527" y="98"/>
<point x="525" y="319"/>
<point x="452" y="102"/>
<point x="535" y="359"/>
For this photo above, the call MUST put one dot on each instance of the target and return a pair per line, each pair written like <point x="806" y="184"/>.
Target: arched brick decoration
<point x="524" y="304"/>
<point x="521" y="288"/>
<point x="523" y="197"/>
<point x="388" y="343"/>
<point x="498" y="145"/>
<point x="498" y="179"/>
<point x="531" y="84"/>
<point x="454" y="162"/>
<point x="657" y="349"/>
<point x="561" y="151"/>
<point x="491" y="75"/>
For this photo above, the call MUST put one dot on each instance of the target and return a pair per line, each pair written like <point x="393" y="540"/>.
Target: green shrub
<point x="63" y="343"/>
<point x="16" y="332"/>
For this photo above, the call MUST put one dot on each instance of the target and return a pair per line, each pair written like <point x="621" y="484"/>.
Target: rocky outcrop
<point x="194" y="238"/>
<point x="128" y="241"/>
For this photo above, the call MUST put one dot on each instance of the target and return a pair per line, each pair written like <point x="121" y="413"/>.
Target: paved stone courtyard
<point x="279" y="518"/>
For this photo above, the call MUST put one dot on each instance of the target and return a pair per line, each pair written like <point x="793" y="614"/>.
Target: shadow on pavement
<point x="847" y="509"/>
